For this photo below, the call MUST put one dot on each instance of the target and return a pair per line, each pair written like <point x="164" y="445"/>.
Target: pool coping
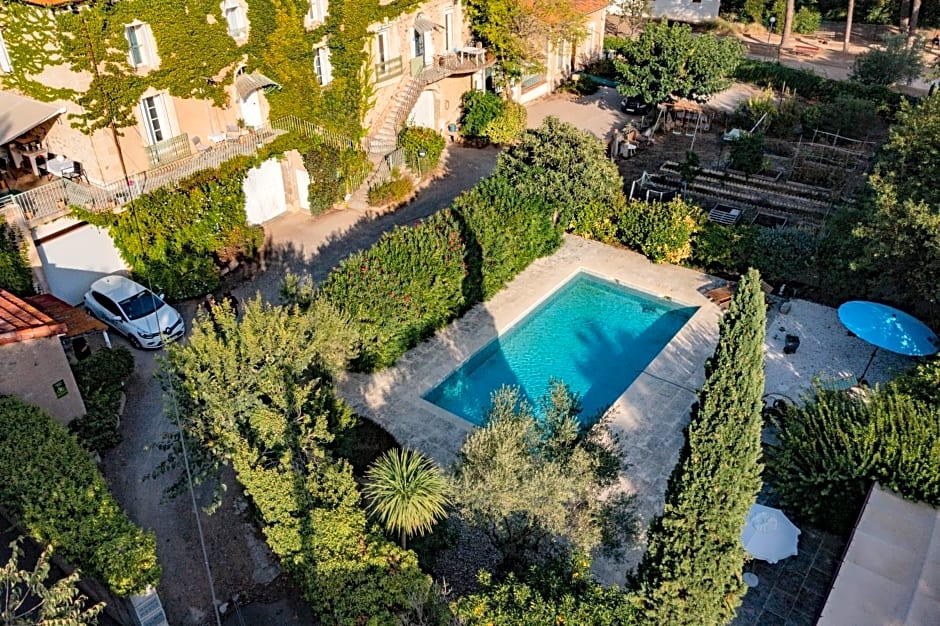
<point x="555" y="289"/>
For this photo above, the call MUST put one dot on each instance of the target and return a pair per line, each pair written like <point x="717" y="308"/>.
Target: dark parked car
<point x="634" y="105"/>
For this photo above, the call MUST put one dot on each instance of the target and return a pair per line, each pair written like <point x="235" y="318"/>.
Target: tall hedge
<point x="51" y="485"/>
<point x="418" y="278"/>
<point x="691" y="572"/>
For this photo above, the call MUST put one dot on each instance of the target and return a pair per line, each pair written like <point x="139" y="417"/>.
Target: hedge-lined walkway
<point x="314" y="245"/>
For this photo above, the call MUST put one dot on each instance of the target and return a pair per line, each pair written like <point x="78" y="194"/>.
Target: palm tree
<point x="406" y="492"/>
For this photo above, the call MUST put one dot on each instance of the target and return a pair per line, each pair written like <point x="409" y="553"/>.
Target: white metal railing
<point x="55" y="199"/>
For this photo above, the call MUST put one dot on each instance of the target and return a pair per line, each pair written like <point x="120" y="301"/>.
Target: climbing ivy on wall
<point x="198" y="58"/>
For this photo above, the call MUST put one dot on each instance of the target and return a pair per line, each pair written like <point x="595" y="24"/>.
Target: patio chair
<point x="75" y="173"/>
<point x="199" y="145"/>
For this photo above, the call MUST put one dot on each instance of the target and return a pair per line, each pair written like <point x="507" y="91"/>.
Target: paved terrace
<point x="651" y="413"/>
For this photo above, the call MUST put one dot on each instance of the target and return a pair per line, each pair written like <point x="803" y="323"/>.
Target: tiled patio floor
<point x="792" y="592"/>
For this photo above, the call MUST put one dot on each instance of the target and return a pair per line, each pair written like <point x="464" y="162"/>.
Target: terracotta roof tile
<point x="20" y="320"/>
<point x="589" y="6"/>
<point x="76" y="320"/>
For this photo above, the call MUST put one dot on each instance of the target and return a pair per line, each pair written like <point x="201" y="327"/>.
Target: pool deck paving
<point x="650" y="414"/>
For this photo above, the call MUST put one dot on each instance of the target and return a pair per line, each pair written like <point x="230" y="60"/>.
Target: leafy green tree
<point x="256" y="394"/>
<point x="669" y="62"/>
<point x="407" y="492"/>
<point x="785" y="254"/>
<point x="533" y="485"/>
<point x="26" y="598"/>
<point x="896" y="62"/>
<point x="565" y="167"/>
<point x="909" y="159"/>
<point x="691" y="572"/>
<point x="518" y="32"/>
<point x="15" y="273"/>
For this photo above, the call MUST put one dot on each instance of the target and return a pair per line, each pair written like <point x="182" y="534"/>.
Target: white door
<point x="428" y="49"/>
<point x="265" y="197"/>
<point x="251" y="110"/>
<point x="423" y="112"/>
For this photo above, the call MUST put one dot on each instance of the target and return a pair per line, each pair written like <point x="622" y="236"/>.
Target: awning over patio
<point x="19" y="115"/>
<point x="891" y="570"/>
<point x="424" y="25"/>
<point x="247" y="83"/>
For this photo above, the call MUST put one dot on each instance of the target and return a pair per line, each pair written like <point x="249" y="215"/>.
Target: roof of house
<point x="20" y="321"/>
<point x="77" y="321"/>
<point x="589" y="6"/>
<point x="19" y="115"/>
<point x="891" y="570"/>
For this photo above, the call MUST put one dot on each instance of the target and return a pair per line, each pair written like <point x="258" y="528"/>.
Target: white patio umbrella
<point x="768" y="535"/>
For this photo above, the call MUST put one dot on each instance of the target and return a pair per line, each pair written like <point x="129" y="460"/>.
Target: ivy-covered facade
<point x="166" y="73"/>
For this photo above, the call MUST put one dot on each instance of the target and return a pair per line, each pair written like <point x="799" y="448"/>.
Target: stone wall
<point x="30" y="370"/>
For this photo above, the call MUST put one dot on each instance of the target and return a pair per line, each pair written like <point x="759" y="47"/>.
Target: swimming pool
<point x="595" y="335"/>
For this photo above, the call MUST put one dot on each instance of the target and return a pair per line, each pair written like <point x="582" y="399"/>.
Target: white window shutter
<point x="327" y="66"/>
<point x="5" y="64"/>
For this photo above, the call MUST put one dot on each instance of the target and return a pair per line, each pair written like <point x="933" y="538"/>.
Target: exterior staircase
<point x="385" y="138"/>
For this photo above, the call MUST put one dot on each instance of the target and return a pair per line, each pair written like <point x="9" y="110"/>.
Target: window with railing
<point x="385" y="70"/>
<point x="532" y="80"/>
<point x="169" y="150"/>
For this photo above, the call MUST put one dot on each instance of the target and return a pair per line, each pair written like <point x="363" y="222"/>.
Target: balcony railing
<point x="56" y="199"/>
<point x="417" y="66"/>
<point x="388" y="69"/>
<point x="169" y="150"/>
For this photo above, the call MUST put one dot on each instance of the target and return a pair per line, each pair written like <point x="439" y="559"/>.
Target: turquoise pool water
<point x="593" y="334"/>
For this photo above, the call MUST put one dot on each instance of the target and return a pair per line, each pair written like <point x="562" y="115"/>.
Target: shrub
<point x="331" y="171"/>
<point x="568" y="168"/>
<point x="660" y="231"/>
<point x="479" y="108"/>
<point x="846" y="116"/>
<point x="747" y="153"/>
<point x="403" y="288"/>
<point x="392" y="191"/>
<point x="719" y="248"/>
<point x="835" y="446"/>
<point x="416" y="139"/>
<point x="100" y="378"/>
<point x="784" y="254"/>
<point x="175" y="239"/>
<point x="753" y="11"/>
<point x="509" y="125"/>
<point x="806" y="21"/>
<point x="15" y="273"/>
<point x="503" y="233"/>
<point x="418" y="278"/>
<point x="54" y="489"/>
<point x="896" y="62"/>
<point x="583" y="85"/>
<point x="815" y="87"/>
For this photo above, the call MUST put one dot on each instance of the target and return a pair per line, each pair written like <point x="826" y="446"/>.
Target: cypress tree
<point x="691" y="572"/>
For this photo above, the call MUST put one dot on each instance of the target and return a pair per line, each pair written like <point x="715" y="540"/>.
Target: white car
<point x="134" y="311"/>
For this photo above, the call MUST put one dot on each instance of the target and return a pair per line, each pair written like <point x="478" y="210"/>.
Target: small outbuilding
<point x="33" y="364"/>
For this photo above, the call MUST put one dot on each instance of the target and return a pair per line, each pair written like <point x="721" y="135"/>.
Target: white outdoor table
<point x="57" y="167"/>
